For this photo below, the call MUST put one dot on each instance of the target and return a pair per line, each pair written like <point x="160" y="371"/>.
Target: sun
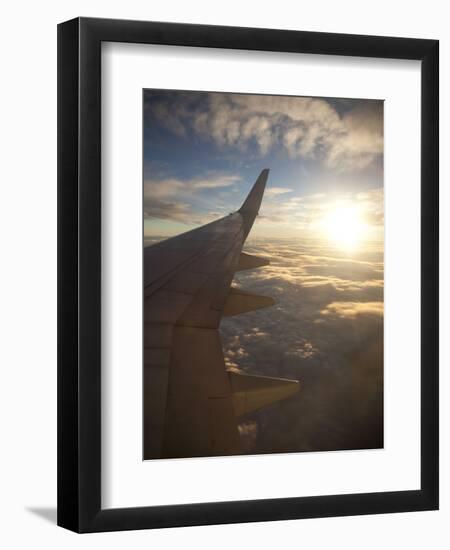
<point x="345" y="225"/>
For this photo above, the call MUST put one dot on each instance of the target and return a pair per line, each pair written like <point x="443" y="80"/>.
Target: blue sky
<point x="203" y="151"/>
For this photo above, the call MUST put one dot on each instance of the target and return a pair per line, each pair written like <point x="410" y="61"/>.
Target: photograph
<point x="263" y="267"/>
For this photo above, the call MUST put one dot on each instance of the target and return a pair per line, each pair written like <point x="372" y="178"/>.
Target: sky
<point x="203" y="151"/>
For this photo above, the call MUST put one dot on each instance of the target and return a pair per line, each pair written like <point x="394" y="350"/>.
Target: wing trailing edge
<point x="248" y="261"/>
<point x="240" y="301"/>
<point x="250" y="392"/>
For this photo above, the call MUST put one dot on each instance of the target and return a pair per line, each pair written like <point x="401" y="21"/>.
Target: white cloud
<point x="352" y="310"/>
<point x="304" y="127"/>
<point x="277" y="191"/>
<point x="169" y="187"/>
<point x="169" y="198"/>
<point x="213" y="182"/>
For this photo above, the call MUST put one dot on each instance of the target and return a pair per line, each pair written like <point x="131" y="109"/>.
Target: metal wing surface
<point x="191" y="402"/>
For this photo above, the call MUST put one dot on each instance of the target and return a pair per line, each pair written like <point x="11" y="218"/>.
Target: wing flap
<point x="199" y="419"/>
<point x="251" y="392"/>
<point x="248" y="261"/>
<point x="240" y="301"/>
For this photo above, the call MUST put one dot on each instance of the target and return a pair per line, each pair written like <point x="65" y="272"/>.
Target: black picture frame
<point x="79" y="274"/>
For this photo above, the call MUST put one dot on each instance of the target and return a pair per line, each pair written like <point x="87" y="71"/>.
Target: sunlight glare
<point x="344" y="225"/>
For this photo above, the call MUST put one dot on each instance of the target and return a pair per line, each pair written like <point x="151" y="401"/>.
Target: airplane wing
<point x="191" y="402"/>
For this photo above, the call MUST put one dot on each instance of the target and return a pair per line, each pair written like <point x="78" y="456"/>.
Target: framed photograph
<point x="248" y="275"/>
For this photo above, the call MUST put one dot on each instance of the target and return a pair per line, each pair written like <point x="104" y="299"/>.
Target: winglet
<point x="249" y="210"/>
<point x="253" y="201"/>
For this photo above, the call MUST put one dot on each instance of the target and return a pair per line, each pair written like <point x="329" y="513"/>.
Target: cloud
<point x="302" y="126"/>
<point x="360" y="140"/>
<point x="325" y="330"/>
<point x="307" y="213"/>
<point x="169" y="187"/>
<point x="352" y="310"/>
<point x="213" y="182"/>
<point x="248" y="432"/>
<point x="372" y="202"/>
<point x="166" y="210"/>
<point x="170" y="198"/>
<point x="271" y="191"/>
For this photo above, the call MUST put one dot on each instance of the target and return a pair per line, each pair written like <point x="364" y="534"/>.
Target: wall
<point x="28" y="293"/>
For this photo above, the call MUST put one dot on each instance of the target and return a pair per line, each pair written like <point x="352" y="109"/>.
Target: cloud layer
<point x="345" y="138"/>
<point x="326" y="330"/>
